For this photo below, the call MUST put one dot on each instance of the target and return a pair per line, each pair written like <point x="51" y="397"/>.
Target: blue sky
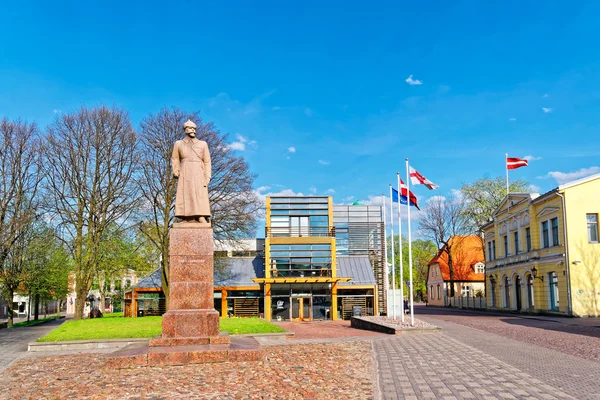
<point x="330" y="97"/>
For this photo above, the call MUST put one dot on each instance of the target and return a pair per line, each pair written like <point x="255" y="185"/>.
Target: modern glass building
<point x="317" y="262"/>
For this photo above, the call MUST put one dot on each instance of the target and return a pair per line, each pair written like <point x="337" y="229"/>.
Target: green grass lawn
<point x="114" y="326"/>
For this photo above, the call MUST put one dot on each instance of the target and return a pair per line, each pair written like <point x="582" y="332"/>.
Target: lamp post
<point x="534" y="274"/>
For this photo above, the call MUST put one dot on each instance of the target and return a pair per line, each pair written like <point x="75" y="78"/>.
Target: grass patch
<point x="33" y="322"/>
<point x="114" y="326"/>
<point x="239" y="326"/>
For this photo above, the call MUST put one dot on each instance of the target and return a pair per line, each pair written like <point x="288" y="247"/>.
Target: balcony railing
<point x="300" y="273"/>
<point x="297" y="231"/>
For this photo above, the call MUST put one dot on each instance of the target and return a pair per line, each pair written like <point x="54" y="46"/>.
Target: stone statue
<point x="191" y="166"/>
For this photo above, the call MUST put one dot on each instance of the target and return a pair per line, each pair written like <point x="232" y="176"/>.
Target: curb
<point x="36" y="347"/>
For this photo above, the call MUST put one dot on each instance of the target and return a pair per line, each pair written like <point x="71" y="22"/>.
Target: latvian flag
<point x="418" y="179"/>
<point x="514" y="163"/>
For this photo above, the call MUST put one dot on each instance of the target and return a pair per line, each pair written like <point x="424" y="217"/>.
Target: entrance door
<point x="518" y="292"/>
<point x="301" y="308"/>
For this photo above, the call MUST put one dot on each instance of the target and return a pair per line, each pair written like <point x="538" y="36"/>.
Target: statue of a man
<point x="191" y="166"/>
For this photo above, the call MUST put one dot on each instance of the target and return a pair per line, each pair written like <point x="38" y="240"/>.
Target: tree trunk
<point x="80" y="295"/>
<point x="9" y="306"/>
<point x="451" y="269"/>
<point x="36" y="314"/>
<point x="29" y="307"/>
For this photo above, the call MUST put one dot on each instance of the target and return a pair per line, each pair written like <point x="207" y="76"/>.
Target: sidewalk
<point x="574" y="321"/>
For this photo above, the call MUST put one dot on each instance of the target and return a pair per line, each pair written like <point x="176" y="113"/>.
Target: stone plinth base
<point x="160" y="341"/>
<point x="240" y="349"/>
<point x="190" y="323"/>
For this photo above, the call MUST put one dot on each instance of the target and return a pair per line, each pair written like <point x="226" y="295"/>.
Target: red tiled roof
<point x="466" y="252"/>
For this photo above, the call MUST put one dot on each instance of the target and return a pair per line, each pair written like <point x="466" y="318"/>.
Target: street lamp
<point x="534" y="274"/>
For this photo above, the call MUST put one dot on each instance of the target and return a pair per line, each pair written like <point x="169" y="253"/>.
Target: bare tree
<point x="19" y="179"/>
<point x="444" y="222"/>
<point x="483" y="196"/>
<point x="234" y="205"/>
<point x="91" y="161"/>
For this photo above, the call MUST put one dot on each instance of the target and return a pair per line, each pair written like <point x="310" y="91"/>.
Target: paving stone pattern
<point x="568" y="373"/>
<point x="13" y="341"/>
<point x="439" y="367"/>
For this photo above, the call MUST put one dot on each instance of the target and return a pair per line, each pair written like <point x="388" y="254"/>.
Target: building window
<point x="592" y="226"/>
<point x="528" y="238"/>
<point x="554" y="224"/>
<point x="489" y="255"/>
<point x="439" y="292"/>
<point x="493" y="249"/>
<point x="506" y="293"/>
<point x="516" y="242"/>
<point x="545" y="236"/>
<point x="553" y="289"/>
<point x="505" y="238"/>
<point x="479" y="268"/>
<point x="431" y="292"/>
<point x="466" y="291"/>
<point x="493" y="291"/>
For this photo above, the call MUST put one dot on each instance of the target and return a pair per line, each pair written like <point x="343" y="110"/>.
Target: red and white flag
<point x="514" y="163"/>
<point x="418" y="179"/>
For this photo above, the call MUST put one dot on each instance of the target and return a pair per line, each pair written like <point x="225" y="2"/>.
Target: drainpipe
<point x="567" y="263"/>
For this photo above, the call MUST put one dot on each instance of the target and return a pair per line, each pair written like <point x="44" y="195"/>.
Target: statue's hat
<point x="189" y="124"/>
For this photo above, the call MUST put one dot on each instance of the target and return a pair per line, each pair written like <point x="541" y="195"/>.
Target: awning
<point x="298" y="279"/>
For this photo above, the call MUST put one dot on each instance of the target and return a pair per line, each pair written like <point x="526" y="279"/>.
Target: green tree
<point x="19" y="178"/>
<point x="47" y="265"/>
<point x="91" y="160"/>
<point x="422" y="251"/>
<point x="482" y="197"/>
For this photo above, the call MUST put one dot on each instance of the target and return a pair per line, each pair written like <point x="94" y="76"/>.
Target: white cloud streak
<point x="323" y="162"/>
<point x="292" y="149"/>
<point x="532" y="158"/>
<point x="242" y="143"/>
<point x="413" y="82"/>
<point x="564" y="177"/>
<point x="547" y="110"/>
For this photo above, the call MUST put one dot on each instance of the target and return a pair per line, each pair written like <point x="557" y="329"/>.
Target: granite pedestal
<point x="190" y="329"/>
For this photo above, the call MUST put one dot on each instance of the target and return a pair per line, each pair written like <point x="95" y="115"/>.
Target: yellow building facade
<point x="543" y="253"/>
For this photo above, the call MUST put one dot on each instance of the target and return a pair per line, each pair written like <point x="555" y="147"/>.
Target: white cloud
<point x="532" y="158"/>
<point x="313" y="190"/>
<point x="456" y="193"/>
<point x="330" y="190"/>
<point x="512" y="119"/>
<point x="412" y="81"/>
<point x="547" y="110"/>
<point x="292" y="149"/>
<point x="323" y="162"/>
<point x="534" y="188"/>
<point x="545" y="95"/>
<point x="242" y="143"/>
<point x="288" y="157"/>
<point x="308" y="112"/>
<point x="349" y="198"/>
<point x="384" y="200"/>
<point x="284" y="192"/>
<point x="564" y="177"/>
<point x="56" y="111"/>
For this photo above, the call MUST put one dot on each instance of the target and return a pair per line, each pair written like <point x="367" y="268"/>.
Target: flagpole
<point x="400" y="245"/>
<point x="387" y="272"/>
<point x="393" y="258"/>
<point x="506" y="166"/>
<point x="410" y="277"/>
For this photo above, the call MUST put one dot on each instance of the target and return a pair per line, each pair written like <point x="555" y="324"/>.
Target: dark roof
<point x="356" y="267"/>
<point x="238" y="271"/>
<point x="150" y="281"/>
